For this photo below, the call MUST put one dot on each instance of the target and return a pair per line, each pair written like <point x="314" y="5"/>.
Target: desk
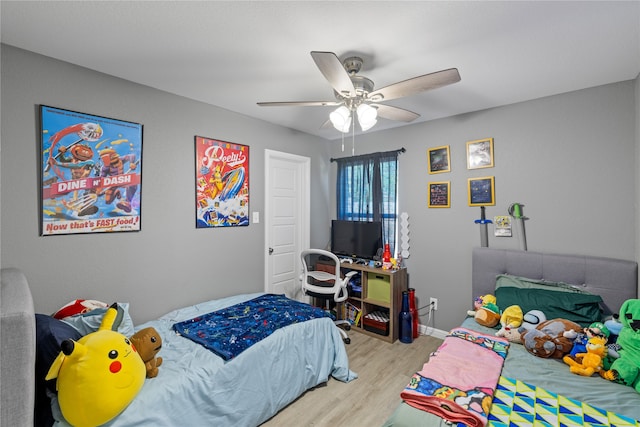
<point x="381" y="291"/>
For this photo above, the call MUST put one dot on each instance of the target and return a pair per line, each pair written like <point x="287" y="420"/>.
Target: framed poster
<point x="439" y="160"/>
<point x="222" y="183"/>
<point x="480" y="153"/>
<point x="482" y="191"/>
<point x="91" y="173"/>
<point x="439" y="195"/>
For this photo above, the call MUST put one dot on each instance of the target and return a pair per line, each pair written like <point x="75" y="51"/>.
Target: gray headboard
<point x="615" y="280"/>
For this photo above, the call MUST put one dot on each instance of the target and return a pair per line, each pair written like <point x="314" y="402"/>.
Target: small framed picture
<point x="439" y="194"/>
<point x="482" y="191"/>
<point x="480" y="154"/>
<point x="439" y="159"/>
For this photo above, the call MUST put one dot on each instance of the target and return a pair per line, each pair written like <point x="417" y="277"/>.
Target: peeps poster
<point x="91" y="173"/>
<point x="222" y="183"/>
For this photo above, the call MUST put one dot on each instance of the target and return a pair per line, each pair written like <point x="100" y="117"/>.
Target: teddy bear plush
<point x="148" y="342"/>
<point x="626" y="368"/>
<point x="550" y="339"/>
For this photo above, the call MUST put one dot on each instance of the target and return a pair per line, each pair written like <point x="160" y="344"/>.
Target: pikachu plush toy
<point x="97" y="376"/>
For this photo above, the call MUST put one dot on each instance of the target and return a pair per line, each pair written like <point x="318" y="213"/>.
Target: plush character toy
<point x="532" y="319"/>
<point x="550" y="339"/>
<point x="97" y="376"/>
<point x="78" y="306"/>
<point x="626" y="369"/>
<point x="488" y="315"/>
<point x="148" y="342"/>
<point x="580" y="339"/>
<point x="486" y="311"/>
<point x="614" y="326"/>
<point x="480" y="301"/>
<point x="514" y="335"/>
<point x="511" y="318"/>
<point x="590" y="362"/>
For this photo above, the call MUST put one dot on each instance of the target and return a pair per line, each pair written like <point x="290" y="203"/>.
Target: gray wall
<point x="570" y="159"/>
<point x="168" y="263"/>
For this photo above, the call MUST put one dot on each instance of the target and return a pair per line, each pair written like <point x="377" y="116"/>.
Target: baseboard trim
<point x="436" y="333"/>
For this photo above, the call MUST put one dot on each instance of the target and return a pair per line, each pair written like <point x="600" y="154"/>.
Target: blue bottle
<point x="406" y="320"/>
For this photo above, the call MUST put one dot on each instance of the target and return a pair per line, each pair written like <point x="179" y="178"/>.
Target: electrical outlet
<point x="434" y="303"/>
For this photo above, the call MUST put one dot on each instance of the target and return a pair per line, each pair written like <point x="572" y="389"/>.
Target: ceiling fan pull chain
<point x="353" y="139"/>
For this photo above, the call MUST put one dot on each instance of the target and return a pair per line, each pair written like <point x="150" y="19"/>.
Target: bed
<point x="195" y="386"/>
<point x="538" y="381"/>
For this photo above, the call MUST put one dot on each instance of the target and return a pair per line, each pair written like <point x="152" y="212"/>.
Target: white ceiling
<point x="235" y="53"/>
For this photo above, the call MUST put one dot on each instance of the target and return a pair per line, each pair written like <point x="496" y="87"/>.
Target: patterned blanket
<point x="517" y="404"/>
<point x="459" y="380"/>
<point x="230" y="331"/>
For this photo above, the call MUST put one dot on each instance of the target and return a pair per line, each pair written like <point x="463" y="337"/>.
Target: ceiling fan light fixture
<point x="367" y="116"/>
<point x="341" y="119"/>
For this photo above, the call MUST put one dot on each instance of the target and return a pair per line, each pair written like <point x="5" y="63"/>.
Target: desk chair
<point x="325" y="285"/>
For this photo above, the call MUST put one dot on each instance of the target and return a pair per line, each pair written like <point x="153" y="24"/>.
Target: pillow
<point x="524" y="282"/>
<point x="554" y="299"/>
<point x="50" y="333"/>
<point x="90" y="321"/>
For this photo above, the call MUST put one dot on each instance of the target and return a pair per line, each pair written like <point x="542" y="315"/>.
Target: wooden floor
<point x="383" y="371"/>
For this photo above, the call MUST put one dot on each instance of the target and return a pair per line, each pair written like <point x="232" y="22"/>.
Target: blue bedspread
<point x="196" y="387"/>
<point x="230" y="331"/>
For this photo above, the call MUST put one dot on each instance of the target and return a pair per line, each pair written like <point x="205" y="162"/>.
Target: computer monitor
<point x="356" y="239"/>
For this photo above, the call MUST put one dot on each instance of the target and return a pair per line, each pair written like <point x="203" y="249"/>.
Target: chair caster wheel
<point x="347" y="340"/>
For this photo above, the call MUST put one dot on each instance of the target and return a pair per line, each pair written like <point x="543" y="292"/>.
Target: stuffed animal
<point x="580" y="339"/>
<point x="614" y="326"/>
<point x="478" y="302"/>
<point x="550" y="339"/>
<point x="626" y="369"/>
<point x="97" y="376"/>
<point x="488" y="315"/>
<point x="532" y="319"/>
<point x="78" y="306"/>
<point x="148" y="342"/>
<point x="513" y="335"/>
<point x="589" y="362"/>
<point x="511" y="318"/>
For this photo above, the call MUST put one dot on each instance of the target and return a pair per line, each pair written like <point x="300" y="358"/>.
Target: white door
<point x="287" y="206"/>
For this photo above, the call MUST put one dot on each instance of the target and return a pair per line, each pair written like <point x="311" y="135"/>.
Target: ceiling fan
<point x="355" y="93"/>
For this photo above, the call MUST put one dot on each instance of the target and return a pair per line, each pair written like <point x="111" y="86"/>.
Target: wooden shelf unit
<point x="391" y="302"/>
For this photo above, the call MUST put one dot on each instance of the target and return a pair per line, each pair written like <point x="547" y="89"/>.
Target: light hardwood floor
<point x="383" y="371"/>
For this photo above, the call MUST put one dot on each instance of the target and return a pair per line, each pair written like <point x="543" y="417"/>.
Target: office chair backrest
<point x="323" y="284"/>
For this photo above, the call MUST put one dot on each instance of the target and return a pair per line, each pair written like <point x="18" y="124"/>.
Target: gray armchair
<point x="17" y="350"/>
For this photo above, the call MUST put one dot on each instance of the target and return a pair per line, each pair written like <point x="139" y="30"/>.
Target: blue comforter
<point x="196" y="387"/>
<point x="230" y="331"/>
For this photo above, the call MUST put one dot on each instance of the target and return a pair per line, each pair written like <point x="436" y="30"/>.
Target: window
<point x="367" y="191"/>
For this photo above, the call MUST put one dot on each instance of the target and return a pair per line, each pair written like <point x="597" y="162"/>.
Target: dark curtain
<point x="366" y="191"/>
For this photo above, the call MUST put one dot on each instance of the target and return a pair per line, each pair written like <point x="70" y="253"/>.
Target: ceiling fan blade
<point x="395" y="113"/>
<point x="416" y="85"/>
<point x="299" y="104"/>
<point x="327" y="124"/>
<point x="333" y="70"/>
